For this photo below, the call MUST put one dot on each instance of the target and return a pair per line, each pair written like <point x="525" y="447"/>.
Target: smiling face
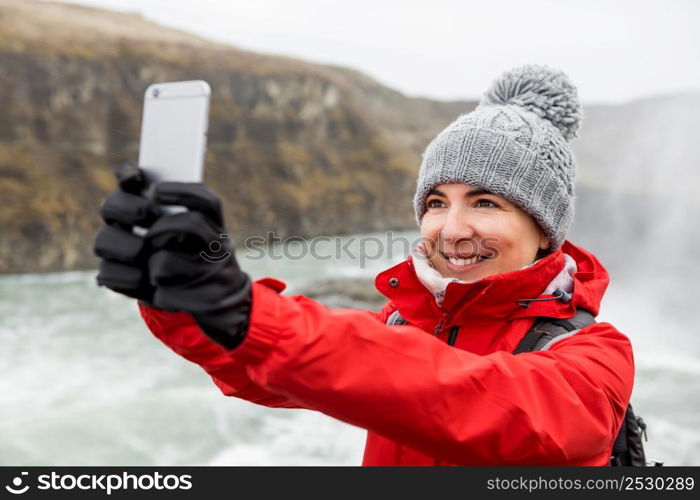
<point x="472" y="233"/>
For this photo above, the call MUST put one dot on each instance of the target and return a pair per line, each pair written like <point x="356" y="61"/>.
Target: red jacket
<point x="423" y="401"/>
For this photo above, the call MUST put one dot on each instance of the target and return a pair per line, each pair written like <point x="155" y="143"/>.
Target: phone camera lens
<point x="156" y="92"/>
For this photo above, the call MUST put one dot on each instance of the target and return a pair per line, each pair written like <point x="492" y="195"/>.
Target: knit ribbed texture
<point x="514" y="145"/>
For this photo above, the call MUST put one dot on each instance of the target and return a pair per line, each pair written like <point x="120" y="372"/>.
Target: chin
<point x="469" y="277"/>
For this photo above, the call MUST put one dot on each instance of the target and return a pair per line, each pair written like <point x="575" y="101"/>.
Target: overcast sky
<point x="614" y="51"/>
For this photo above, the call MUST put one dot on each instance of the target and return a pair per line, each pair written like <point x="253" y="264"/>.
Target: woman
<point x="494" y="202"/>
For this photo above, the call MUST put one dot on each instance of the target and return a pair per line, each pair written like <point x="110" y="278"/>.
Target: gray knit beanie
<point x="514" y="144"/>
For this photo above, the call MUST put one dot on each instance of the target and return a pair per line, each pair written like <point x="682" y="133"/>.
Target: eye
<point x="488" y="203"/>
<point x="435" y="203"/>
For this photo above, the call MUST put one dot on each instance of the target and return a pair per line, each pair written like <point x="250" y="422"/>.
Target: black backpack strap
<point x="628" y="449"/>
<point x="547" y="331"/>
<point x="395" y="318"/>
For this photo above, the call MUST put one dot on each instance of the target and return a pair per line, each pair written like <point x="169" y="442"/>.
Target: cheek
<point x="429" y="231"/>
<point x="500" y="230"/>
<point x="429" y="227"/>
<point x="517" y="240"/>
<point x="504" y="233"/>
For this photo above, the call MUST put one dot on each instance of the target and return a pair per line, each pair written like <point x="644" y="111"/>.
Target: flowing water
<point x="83" y="382"/>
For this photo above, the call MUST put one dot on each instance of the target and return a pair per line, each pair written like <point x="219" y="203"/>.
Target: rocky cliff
<point x="295" y="148"/>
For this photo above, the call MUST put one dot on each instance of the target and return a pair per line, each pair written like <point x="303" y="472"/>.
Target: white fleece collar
<point x="436" y="283"/>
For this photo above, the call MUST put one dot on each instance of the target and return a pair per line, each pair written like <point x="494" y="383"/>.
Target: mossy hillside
<point x="294" y="148"/>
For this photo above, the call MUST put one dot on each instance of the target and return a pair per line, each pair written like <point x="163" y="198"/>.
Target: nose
<point x="458" y="225"/>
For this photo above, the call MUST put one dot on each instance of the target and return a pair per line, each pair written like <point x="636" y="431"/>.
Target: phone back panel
<point x="174" y="131"/>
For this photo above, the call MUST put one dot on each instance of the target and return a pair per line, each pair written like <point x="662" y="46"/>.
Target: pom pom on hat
<point x="544" y="91"/>
<point x="516" y="145"/>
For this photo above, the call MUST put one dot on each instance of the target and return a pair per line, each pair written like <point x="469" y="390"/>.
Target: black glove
<point x="192" y="264"/>
<point x="182" y="263"/>
<point x="123" y="256"/>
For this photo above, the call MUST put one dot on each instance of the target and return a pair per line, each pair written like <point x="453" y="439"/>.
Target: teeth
<point x="463" y="262"/>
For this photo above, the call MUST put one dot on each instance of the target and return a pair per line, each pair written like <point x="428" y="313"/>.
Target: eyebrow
<point x="471" y="192"/>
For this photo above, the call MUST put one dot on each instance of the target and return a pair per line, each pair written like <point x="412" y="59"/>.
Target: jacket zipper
<point x="452" y="337"/>
<point x="447" y="317"/>
<point x="454" y="331"/>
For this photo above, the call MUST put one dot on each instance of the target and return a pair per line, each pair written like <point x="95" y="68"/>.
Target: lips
<point x="463" y="262"/>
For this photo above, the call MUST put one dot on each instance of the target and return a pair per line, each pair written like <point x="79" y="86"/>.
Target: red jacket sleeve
<point x="180" y="332"/>
<point x="560" y="406"/>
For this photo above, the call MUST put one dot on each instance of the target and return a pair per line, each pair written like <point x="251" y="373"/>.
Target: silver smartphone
<point x="174" y="131"/>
